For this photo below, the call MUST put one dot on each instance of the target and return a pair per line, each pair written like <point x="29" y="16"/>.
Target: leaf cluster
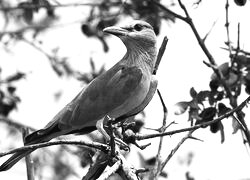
<point x="209" y="104"/>
<point x="8" y="97"/>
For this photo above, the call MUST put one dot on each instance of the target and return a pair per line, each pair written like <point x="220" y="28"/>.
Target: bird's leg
<point x="100" y="128"/>
<point x="107" y="136"/>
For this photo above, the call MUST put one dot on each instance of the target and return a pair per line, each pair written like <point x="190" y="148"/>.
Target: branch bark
<point x="95" y="145"/>
<point x="232" y="99"/>
<point x="226" y="115"/>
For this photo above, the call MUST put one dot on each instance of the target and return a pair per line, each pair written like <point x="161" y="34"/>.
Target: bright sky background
<point x="180" y="69"/>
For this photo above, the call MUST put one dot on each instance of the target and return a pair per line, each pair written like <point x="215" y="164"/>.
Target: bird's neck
<point x="141" y="55"/>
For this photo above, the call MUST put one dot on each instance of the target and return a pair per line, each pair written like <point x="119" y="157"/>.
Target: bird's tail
<point x="33" y="138"/>
<point x="14" y="159"/>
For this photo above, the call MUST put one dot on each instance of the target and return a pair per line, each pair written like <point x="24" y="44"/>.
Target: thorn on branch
<point x="210" y="30"/>
<point x="195" y="138"/>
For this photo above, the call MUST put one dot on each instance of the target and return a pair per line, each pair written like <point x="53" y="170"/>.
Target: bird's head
<point x="135" y="34"/>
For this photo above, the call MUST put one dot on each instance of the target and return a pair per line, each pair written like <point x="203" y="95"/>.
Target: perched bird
<point x="122" y="91"/>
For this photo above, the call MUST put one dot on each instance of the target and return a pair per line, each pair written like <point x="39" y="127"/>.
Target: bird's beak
<point x="117" y="31"/>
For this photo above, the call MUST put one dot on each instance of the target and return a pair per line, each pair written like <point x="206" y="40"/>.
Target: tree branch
<point x="95" y="145"/>
<point x="28" y="160"/>
<point x="157" y="171"/>
<point x="160" y="54"/>
<point x="36" y="6"/>
<point x="232" y="99"/>
<point x="227" y="29"/>
<point x="15" y="124"/>
<point x="128" y="169"/>
<point x="226" y="115"/>
<point x="106" y="174"/>
<point x="163" y="164"/>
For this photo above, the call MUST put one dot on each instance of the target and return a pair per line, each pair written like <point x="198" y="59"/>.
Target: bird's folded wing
<point x="105" y="94"/>
<point x="100" y="97"/>
<point x="148" y="98"/>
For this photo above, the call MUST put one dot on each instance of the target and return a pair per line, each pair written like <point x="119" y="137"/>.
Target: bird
<point x="122" y="91"/>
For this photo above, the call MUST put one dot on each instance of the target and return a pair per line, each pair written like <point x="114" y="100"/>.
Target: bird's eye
<point x="138" y="27"/>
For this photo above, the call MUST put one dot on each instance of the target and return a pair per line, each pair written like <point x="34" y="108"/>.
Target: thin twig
<point x="189" y="21"/>
<point x="226" y="115"/>
<point x="15" y="124"/>
<point x="165" y="111"/>
<point x="37" y="48"/>
<point x="227" y="29"/>
<point x="240" y="50"/>
<point x="168" y="11"/>
<point x="112" y="170"/>
<point x="220" y="76"/>
<point x="28" y="160"/>
<point x="238" y="38"/>
<point x="98" y="167"/>
<point x="206" y="51"/>
<point x="160" y="54"/>
<point x="127" y="168"/>
<point x="175" y="150"/>
<point x="95" y="145"/>
<point x="35" y="6"/>
<point x="210" y="30"/>
<point x="37" y="27"/>
<point x="156" y="171"/>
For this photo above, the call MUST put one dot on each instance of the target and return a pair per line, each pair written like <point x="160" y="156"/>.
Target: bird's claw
<point x="124" y="146"/>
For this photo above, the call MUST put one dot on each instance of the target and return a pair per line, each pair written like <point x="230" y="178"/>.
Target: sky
<point x="181" y="68"/>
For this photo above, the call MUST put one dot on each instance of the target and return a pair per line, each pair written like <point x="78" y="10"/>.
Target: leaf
<point x="193" y="114"/>
<point x="247" y="89"/>
<point x="87" y="30"/>
<point x="235" y="124"/>
<point x="104" y="44"/>
<point x="222" y="133"/>
<point x="181" y="107"/>
<point x="232" y="79"/>
<point x="66" y="66"/>
<point x="102" y="70"/>
<point x="192" y="92"/>
<point x="11" y="89"/>
<point x="86" y="77"/>
<point x="208" y="114"/>
<point x="223" y="68"/>
<point x="214" y="84"/>
<point x="57" y="70"/>
<point x="215" y="127"/>
<point x="92" y="64"/>
<point x="222" y="109"/>
<point x="242" y="60"/>
<point x="27" y="11"/>
<point x="202" y="95"/>
<point x="219" y="96"/>
<point x="240" y="2"/>
<point x="247" y="78"/>
<point x="15" y="77"/>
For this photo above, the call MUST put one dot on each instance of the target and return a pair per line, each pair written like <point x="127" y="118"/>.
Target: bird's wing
<point x="99" y="98"/>
<point x="105" y="94"/>
<point x="147" y="99"/>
